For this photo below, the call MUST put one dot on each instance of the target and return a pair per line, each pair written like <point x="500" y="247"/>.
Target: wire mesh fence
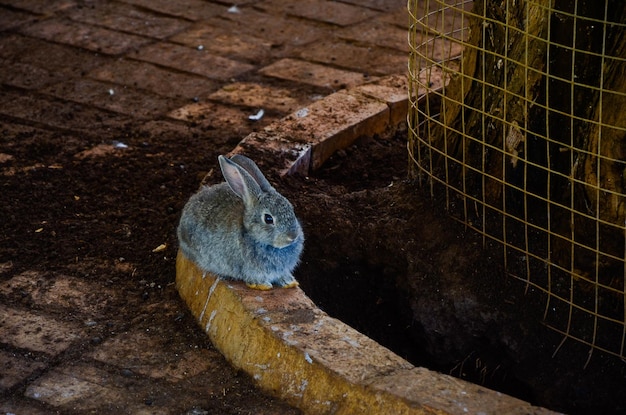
<point x="517" y="125"/>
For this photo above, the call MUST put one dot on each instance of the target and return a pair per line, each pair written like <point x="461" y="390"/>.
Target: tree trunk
<point x="485" y="108"/>
<point x="532" y="127"/>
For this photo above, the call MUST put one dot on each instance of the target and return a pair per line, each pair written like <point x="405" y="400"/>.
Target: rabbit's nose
<point x="292" y="236"/>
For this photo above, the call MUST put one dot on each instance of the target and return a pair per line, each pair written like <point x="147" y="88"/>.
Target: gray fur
<point x="222" y="228"/>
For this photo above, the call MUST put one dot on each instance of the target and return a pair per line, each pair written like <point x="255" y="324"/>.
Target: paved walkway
<point x="84" y="68"/>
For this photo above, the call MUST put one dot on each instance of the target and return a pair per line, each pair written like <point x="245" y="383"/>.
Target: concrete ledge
<point x="291" y="348"/>
<point x="296" y="352"/>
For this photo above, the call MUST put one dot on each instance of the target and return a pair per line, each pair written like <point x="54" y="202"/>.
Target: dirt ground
<point x="97" y="207"/>
<point x="378" y="255"/>
<point x="382" y="257"/>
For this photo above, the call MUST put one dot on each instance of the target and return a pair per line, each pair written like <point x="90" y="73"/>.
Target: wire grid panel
<point x="516" y="124"/>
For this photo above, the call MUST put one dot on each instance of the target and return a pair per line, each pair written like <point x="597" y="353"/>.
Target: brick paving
<point x="172" y="64"/>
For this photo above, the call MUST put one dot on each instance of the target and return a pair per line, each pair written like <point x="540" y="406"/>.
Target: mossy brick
<point x="336" y="13"/>
<point x="94" y="38"/>
<point x="317" y="363"/>
<point x="313" y="74"/>
<point x="192" y="60"/>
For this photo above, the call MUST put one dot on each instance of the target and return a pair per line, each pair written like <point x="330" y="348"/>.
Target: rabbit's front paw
<point x="263" y="287"/>
<point x="292" y="284"/>
<point x="288" y="281"/>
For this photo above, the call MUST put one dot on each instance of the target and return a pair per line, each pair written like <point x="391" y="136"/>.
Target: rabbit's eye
<point x="268" y="219"/>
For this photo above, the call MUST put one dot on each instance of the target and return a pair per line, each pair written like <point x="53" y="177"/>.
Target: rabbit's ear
<point x="251" y="167"/>
<point x="238" y="179"/>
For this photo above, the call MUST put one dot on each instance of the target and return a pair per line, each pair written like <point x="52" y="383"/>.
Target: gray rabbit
<point x="242" y="229"/>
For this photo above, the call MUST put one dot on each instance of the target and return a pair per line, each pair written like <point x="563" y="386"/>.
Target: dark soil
<point x="381" y="256"/>
<point x="94" y="207"/>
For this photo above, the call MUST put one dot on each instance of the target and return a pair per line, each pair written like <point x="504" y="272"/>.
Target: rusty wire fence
<point x="517" y="123"/>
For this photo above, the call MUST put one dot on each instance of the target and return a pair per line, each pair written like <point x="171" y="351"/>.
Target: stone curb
<point x="292" y="349"/>
<point x="306" y="138"/>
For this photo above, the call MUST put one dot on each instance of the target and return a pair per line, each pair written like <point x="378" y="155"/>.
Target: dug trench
<point x="383" y="257"/>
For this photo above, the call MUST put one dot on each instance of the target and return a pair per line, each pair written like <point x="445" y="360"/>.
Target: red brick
<point x="225" y="42"/>
<point x="77" y="387"/>
<point x="40" y="333"/>
<point x="333" y="123"/>
<point x="313" y="74"/>
<point x="218" y="117"/>
<point x="382" y="5"/>
<point x="94" y="38"/>
<point x="379" y="33"/>
<point x="127" y="18"/>
<point x="88" y="388"/>
<point x="59" y="293"/>
<point x="337" y="13"/>
<point x="219" y="132"/>
<point x="293" y="157"/>
<point x="189" y="9"/>
<point x="153" y="78"/>
<point x="59" y="114"/>
<point x="10" y="19"/>
<point x="400" y="17"/>
<point x="365" y="59"/>
<point x="47" y="57"/>
<point x="279" y="30"/>
<point x="40" y="7"/>
<point x="121" y="99"/>
<point x="15" y="369"/>
<point x="255" y="95"/>
<point x="15" y="405"/>
<point x="26" y="76"/>
<point x="150" y="355"/>
<point x="392" y="90"/>
<point x="186" y="59"/>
